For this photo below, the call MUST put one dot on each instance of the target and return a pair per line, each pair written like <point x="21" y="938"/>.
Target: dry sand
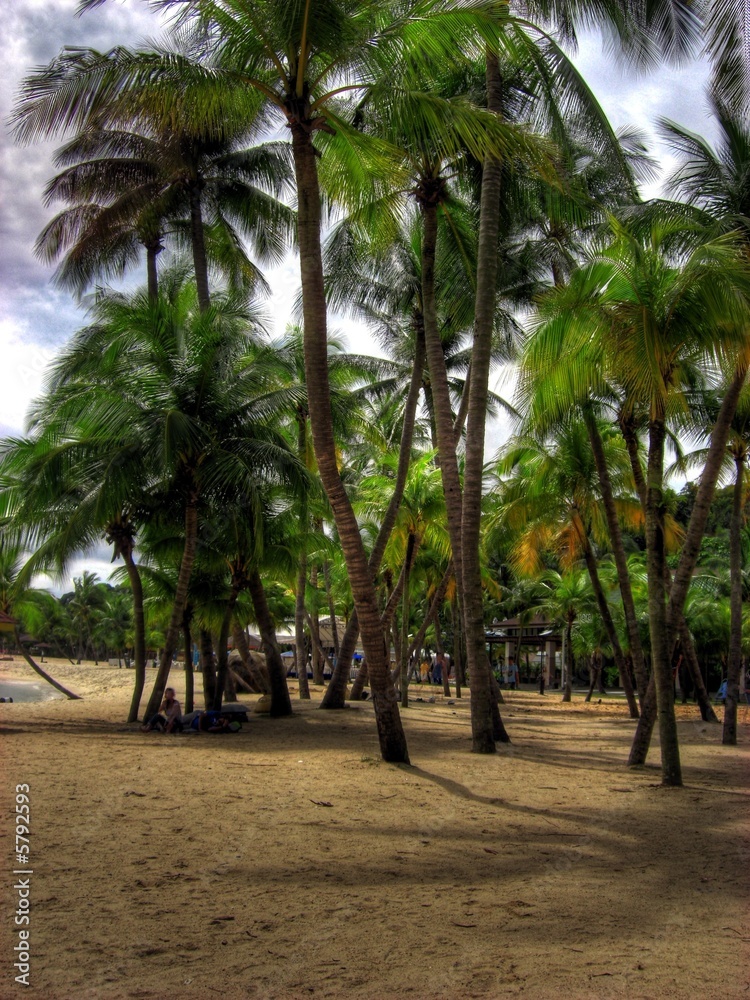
<point x="288" y="861"/>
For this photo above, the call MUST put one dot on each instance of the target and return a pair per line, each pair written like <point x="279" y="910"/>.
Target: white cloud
<point x="21" y="374"/>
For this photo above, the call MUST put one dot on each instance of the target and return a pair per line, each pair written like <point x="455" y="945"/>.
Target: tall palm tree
<point x="145" y="167"/>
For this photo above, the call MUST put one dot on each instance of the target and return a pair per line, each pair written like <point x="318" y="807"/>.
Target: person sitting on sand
<point x="170" y="721"/>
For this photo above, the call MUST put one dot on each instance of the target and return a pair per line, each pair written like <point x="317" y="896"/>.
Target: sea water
<point x="27" y="691"/>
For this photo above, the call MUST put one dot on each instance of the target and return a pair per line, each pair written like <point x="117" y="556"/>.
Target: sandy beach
<point x="289" y="861"/>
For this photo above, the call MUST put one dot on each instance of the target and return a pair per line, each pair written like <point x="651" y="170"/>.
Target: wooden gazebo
<point x="537" y="634"/>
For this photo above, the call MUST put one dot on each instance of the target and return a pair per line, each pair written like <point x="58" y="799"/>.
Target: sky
<point x="36" y="319"/>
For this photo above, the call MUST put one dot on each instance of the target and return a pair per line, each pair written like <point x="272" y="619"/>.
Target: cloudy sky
<point x="35" y="318"/>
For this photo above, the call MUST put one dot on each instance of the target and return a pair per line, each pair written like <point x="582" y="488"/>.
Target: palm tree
<point x="550" y="501"/>
<point x="295" y="58"/>
<point x="66" y="485"/>
<point x="175" y="372"/>
<point x="567" y="596"/>
<point x="144" y="167"/>
<point x="420" y="520"/>
<point x="84" y="603"/>
<point x="659" y="298"/>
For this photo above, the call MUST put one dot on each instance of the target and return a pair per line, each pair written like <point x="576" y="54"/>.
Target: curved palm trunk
<point x="390" y="730"/>
<point x="197" y="236"/>
<point x="609" y="625"/>
<point x="281" y="704"/>
<point x="699" y="515"/>
<point x="172" y="635"/>
<point x="618" y="551"/>
<point x="335" y="696"/>
<point x="43" y="673"/>
<point x="657" y="607"/>
<point x="734" y="668"/>
<point x="139" y="634"/>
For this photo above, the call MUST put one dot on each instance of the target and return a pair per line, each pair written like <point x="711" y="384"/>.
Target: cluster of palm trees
<point x="451" y="172"/>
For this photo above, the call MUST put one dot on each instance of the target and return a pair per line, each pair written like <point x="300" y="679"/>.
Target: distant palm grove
<point x="445" y="176"/>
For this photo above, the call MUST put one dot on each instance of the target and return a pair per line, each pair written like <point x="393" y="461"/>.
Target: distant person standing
<point x="437" y="670"/>
<point x="513" y="678"/>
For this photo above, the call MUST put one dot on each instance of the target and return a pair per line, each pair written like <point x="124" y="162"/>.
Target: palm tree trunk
<point x="197" y="236"/>
<point x="187" y="645"/>
<point x="43" y="673"/>
<point x="172" y="634"/>
<point x="280" y="702"/>
<point x="390" y="730"/>
<point x="359" y="682"/>
<point x="609" y="624"/>
<point x="222" y="654"/>
<point x="734" y="668"/>
<point x="139" y="633"/>
<point x="408" y="558"/>
<point x="313" y="621"/>
<point x="463" y="406"/>
<point x="618" y="551"/>
<point x="697" y="525"/>
<point x="335" y="696"/>
<point x="656" y="562"/>
<point x="568" y="688"/>
<point x="691" y="659"/>
<point x="300" y="648"/>
<point x="482" y="726"/>
<point x="208" y="668"/>
<point x="432" y="613"/>
<point x="642" y="738"/>
<point x="644" y="729"/>
<point x="458" y="668"/>
<point x="331" y="607"/>
<point x="258" y="677"/>
<point x="441" y="395"/>
<point x="153" y="249"/>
